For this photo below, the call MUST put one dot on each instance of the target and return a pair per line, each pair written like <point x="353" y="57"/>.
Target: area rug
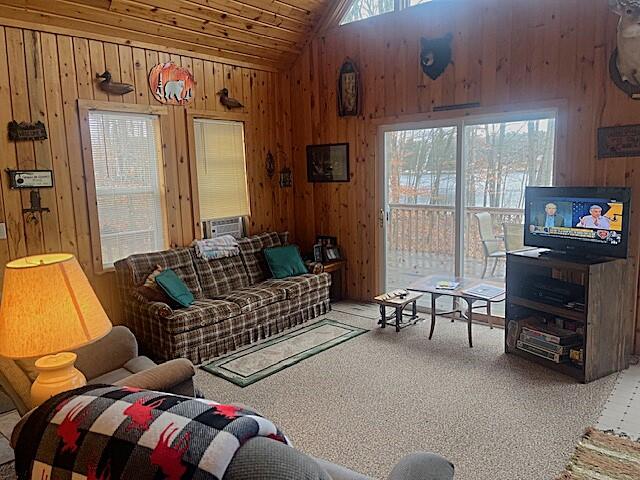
<point x="604" y="456"/>
<point x="260" y="361"/>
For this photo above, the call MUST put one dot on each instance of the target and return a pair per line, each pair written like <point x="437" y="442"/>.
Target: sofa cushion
<point x="174" y="287"/>
<point x="285" y="261"/>
<point x="179" y="260"/>
<point x="199" y="314"/>
<point x="300" y="285"/>
<point x="220" y="276"/>
<point x="251" y="253"/>
<point x="255" y="297"/>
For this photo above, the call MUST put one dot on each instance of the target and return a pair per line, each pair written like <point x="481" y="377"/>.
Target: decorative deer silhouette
<point x="68" y="429"/>
<point x="140" y="414"/>
<point x="169" y="458"/>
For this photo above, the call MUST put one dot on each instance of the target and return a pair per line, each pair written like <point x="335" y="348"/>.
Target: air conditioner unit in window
<point x="226" y="226"/>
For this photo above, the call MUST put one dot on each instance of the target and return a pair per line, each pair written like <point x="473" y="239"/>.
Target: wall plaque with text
<point x="623" y="141"/>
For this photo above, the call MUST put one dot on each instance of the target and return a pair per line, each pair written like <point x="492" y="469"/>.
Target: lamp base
<point x="57" y="375"/>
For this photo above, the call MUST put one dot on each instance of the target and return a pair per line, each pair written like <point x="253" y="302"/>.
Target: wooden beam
<point x="225" y="28"/>
<point x="165" y="35"/>
<point x="21" y="18"/>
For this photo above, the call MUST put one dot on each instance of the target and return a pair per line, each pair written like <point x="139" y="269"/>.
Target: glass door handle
<point x="381" y="218"/>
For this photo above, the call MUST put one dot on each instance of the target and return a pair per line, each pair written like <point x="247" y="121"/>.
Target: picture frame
<point x="328" y="163"/>
<point x="349" y="87"/>
<point x="317" y="252"/>
<point x="332" y="252"/>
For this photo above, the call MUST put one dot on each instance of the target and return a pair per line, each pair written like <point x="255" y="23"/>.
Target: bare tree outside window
<point x="361" y="9"/>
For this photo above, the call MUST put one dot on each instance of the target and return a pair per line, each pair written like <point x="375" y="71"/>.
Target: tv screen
<point x="584" y="221"/>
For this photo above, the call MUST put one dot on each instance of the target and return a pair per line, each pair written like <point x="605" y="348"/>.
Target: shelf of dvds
<point x="572" y="316"/>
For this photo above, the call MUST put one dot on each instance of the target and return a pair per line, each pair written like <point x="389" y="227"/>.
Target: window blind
<point x="127" y="165"/>
<point x="222" y="179"/>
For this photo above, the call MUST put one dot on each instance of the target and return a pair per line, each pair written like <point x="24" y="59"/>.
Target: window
<point x="361" y="9"/>
<point x="220" y="163"/>
<point x="129" y="185"/>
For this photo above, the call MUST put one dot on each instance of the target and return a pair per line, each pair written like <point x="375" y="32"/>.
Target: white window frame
<point x="84" y="107"/>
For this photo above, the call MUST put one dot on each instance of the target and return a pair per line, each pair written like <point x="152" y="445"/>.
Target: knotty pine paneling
<point x="505" y="53"/>
<point x="42" y="75"/>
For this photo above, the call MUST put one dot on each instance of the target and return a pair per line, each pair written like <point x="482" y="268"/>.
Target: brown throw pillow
<point x="155" y="294"/>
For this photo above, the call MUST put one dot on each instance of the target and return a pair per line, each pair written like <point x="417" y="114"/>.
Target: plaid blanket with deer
<point x="106" y="432"/>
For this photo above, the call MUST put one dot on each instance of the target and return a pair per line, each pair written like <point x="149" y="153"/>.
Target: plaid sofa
<point x="237" y="301"/>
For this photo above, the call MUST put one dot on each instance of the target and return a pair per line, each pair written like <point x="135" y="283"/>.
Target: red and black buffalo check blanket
<point x="102" y="432"/>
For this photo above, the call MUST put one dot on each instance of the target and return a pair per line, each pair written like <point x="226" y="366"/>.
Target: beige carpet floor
<point x="371" y="400"/>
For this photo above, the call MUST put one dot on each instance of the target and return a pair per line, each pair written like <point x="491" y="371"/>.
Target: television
<point x="578" y="221"/>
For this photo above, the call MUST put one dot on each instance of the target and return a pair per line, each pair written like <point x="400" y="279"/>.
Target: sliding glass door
<point x="454" y="193"/>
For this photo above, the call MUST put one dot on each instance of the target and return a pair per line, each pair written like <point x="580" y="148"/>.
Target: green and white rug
<point x="259" y="361"/>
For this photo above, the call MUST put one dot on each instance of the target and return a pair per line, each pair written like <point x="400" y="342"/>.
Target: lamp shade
<point x="48" y="306"/>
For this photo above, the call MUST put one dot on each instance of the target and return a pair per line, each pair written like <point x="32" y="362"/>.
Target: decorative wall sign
<point x="435" y="55"/>
<point x="30" y="178"/>
<point x="171" y="84"/>
<point x="621" y="141"/>
<point x="228" y="101"/>
<point x="328" y="163"/>
<point x="349" y="97"/>
<point x="113" y="88"/>
<point x="27" y="131"/>
<point x="624" y="66"/>
<point x="270" y="165"/>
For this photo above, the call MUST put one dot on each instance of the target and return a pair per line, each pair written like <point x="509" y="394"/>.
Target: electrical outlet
<point x="3" y="231"/>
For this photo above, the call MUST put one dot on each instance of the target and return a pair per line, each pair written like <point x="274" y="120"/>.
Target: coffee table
<point x="428" y="285"/>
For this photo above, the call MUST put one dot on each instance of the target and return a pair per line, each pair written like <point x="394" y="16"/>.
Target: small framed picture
<point x="326" y="240"/>
<point x="328" y="163"/>
<point x="332" y="252"/>
<point x="317" y="252"/>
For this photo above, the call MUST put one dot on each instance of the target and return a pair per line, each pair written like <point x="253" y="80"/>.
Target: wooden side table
<point x="398" y="304"/>
<point x="337" y="270"/>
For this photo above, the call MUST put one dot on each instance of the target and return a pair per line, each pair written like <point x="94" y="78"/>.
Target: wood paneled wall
<point x="42" y="75"/>
<point x="505" y="52"/>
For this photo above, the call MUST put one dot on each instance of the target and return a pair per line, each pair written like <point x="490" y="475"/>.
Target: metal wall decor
<point x="435" y="55"/>
<point x="621" y="141"/>
<point x="624" y="65"/>
<point x="328" y="163"/>
<point x="111" y="87"/>
<point x="27" y="131"/>
<point x="30" y="178"/>
<point x="171" y="84"/>
<point x="349" y="88"/>
<point x="270" y="165"/>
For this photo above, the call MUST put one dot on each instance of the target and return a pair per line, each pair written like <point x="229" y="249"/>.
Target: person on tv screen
<point x="595" y="219"/>
<point x="550" y="217"/>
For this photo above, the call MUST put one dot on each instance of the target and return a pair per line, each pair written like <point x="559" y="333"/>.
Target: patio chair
<point x="490" y="242"/>
<point x="513" y="236"/>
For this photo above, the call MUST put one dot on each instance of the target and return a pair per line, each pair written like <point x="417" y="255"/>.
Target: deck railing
<point x="431" y="228"/>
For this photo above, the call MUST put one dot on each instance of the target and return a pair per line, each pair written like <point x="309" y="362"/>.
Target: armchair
<point x="113" y="360"/>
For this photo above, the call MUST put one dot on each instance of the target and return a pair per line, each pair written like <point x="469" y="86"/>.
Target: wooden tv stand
<point x="607" y="317"/>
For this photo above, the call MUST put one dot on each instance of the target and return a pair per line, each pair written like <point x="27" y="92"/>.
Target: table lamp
<point x="48" y="307"/>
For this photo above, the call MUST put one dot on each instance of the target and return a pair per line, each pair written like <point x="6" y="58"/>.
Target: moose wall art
<point x="171" y="84"/>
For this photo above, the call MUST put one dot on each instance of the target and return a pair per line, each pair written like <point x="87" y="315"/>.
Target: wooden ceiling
<point x="260" y="32"/>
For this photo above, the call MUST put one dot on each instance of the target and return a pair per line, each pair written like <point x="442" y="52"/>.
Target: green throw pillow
<point x="285" y="261"/>
<point x="175" y="287"/>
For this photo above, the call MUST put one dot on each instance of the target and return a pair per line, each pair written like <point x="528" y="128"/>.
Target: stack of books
<point x="548" y="341"/>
